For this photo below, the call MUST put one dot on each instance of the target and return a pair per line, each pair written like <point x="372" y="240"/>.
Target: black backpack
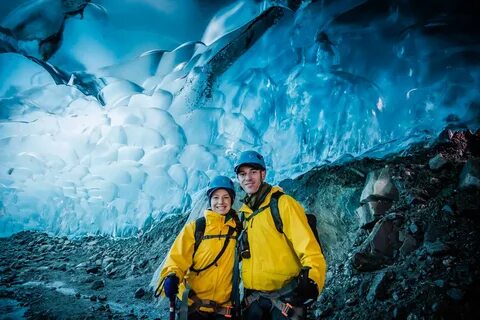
<point x="312" y="220"/>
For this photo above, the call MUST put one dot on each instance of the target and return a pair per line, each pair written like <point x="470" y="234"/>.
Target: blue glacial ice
<point x="99" y="137"/>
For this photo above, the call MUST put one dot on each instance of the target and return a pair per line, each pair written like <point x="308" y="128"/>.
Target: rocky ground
<point x="411" y="248"/>
<point x="400" y="235"/>
<point x="43" y="277"/>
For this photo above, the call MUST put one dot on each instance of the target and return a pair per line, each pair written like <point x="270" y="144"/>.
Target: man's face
<point x="250" y="179"/>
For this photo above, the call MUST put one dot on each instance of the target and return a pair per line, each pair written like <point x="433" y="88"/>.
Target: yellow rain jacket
<point x="276" y="258"/>
<point x="215" y="283"/>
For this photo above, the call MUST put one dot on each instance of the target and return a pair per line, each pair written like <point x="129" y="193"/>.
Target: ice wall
<point x="109" y="150"/>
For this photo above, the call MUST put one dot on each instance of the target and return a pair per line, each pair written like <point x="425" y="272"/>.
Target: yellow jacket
<point x="276" y="258"/>
<point x="215" y="283"/>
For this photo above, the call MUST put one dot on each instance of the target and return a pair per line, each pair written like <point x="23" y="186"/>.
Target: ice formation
<point x="108" y="149"/>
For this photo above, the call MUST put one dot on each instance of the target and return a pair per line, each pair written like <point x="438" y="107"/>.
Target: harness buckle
<point x="228" y="312"/>
<point x="286" y="307"/>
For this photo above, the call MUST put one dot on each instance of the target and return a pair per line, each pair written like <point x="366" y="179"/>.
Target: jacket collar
<point x="247" y="210"/>
<point x="213" y="217"/>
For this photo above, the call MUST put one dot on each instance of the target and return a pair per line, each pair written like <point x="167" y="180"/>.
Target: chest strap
<point x="227" y="237"/>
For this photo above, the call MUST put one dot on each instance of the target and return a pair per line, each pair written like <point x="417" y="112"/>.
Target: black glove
<point x="171" y="286"/>
<point x="307" y="290"/>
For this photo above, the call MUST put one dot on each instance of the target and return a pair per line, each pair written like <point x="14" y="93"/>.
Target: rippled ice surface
<point x="110" y="149"/>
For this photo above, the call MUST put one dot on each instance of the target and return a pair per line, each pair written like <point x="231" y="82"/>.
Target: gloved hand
<point x="171" y="286"/>
<point x="307" y="289"/>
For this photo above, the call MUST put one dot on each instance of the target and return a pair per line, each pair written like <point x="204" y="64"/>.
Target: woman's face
<point x="220" y="201"/>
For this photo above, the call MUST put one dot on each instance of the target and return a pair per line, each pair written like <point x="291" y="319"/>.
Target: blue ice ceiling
<point x="113" y="115"/>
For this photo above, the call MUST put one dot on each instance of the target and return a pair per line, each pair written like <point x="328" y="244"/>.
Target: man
<point x="281" y="272"/>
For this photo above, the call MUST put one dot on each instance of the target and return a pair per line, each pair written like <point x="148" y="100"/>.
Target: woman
<point x="201" y="260"/>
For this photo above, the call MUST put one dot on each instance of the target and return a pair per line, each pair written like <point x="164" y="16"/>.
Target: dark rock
<point x="409" y="245"/>
<point x="399" y="312"/>
<point x="93" y="269"/>
<point x="417" y="196"/>
<point x="435" y="230"/>
<point x="139" y="293"/>
<point x="455" y="294"/>
<point x="328" y="311"/>
<point x="437" y="162"/>
<point x="436" y="248"/>
<point x="93" y="298"/>
<point x="365" y="261"/>
<point x="470" y="175"/>
<point x="378" y="287"/>
<point x="384" y="236"/>
<point x="98" y="284"/>
<point x="413" y="228"/>
<point x="371" y="224"/>
<point x="379" y="208"/>
<point x="445" y="136"/>
<point x="447" y="209"/>
<point x="380" y="245"/>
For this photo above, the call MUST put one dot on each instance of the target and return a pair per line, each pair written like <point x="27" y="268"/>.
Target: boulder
<point x="364" y="215"/>
<point x="98" y="284"/>
<point x="139" y="293"/>
<point x="379" y="186"/>
<point x="436" y="248"/>
<point x="384" y="237"/>
<point x="379" y="286"/>
<point x="378" y="208"/>
<point x="380" y="245"/>
<point x="437" y="162"/>
<point x="470" y="175"/>
<point x="93" y="269"/>
<point x="409" y="245"/>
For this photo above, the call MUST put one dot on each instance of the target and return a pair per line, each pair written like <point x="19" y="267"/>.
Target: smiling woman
<point x="199" y="268"/>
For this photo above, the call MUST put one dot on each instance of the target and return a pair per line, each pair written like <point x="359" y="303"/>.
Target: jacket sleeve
<point x="180" y="256"/>
<point x="304" y="243"/>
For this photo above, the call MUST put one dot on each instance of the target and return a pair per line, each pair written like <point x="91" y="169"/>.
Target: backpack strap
<point x="235" y="295"/>
<point x="311" y="218"/>
<point x="200" y="224"/>
<point x="274" y="210"/>
<point x="227" y="237"/>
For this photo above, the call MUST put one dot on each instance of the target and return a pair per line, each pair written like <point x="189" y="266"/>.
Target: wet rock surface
<point x="45" y="277"/>
<point x="419" y="259"/>
<point x="400" y="236"/>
